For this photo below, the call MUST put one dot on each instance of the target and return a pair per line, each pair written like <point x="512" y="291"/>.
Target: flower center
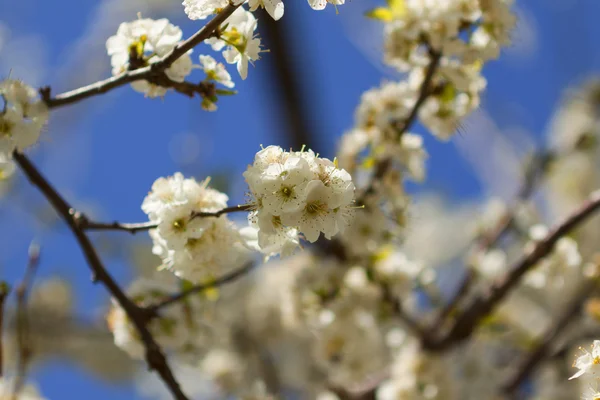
<point x="179" y="225"/>
<point x="276" y="221"/>
<point x="316" y="208"/>
<point x="286" y="192"/>
<point x="6" y="127"/>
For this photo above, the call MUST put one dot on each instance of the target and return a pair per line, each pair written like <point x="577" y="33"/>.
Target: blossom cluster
<point x="142" y="42"/>
<point x="415" y="28"/>
<point x="238" y="41"/>
<point x="180" y="328"/>
<point x="194" y="248"/>
<point x="377" y="120"/>
<point x="201" y="9"/>
<point x="22" y="118"/>
<point x="297" y="192"/>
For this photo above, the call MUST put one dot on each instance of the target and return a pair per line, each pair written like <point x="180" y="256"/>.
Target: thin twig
<point x="132" y="228"/>
<point x="23" y="333"/>
<point x="227" y="210"/>
<point x="153" y="70"/>
<point x="485" y="303"/>
<point x="531" y="180"/>
<point x="532" y="177"/>
<point x="335" y="247"/>
<point x="459" y="295"/>
<point x="542" y="350"/>
<point x="85" y="223"/>
<point x="225" y="279"/>
<point x="398" y="311"/>
<point x="404" y="125"/>
<point x="138" y="316"/>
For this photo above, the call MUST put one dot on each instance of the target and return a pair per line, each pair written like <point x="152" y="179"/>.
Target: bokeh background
<point x="104" y="153"/>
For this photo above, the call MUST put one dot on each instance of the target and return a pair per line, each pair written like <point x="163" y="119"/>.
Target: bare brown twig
<point x="227" y="278"/>
<point x="455" y="300"/>
<point x="139" y="317"/>
<point x="404" y="125"/>
<point x="485" y="303"/>
<point x="398" y="311"/>
<point x="132" y="228"/>
<point x="85" y="223"/>
<point x="152" y="71"/>
<point x="531" y="179"/>
<point x="335" y="247"/>
<point x="542" y="350"/>
<point x="228" y="210"/>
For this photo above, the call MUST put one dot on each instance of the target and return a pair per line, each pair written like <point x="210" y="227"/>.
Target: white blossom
<point x="7" y="166"/>
<point x="22" y="118"/>
<point x="297" y="192"/>
<point x="201" y="9"/>
<point x="588" y="362"/>
<point x="275" y="8"/>
<point x="321" y="4"/>
<point x="216" y="71"/>
<point x="142" y="42"/>
<point x="173" y="329"/>
<point x="240" y="43"/>
<point x="194" y="248"/>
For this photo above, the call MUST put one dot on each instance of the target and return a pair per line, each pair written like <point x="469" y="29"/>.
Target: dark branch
<point x="542" y="350"/>
<point x="228" y="210"/>
<point x="85" y="223"/>
<point x="459" y="295"/>
<point x="404" y="125"/>
<point x="225" y="279"/>
<point x="154" y="70"/>
<point x="154" y="356"/>
<point x="531" y="179"/>
<point x="534" y="173"/>
<point x="485" y="303"/>
<point x="132" y="228"/>
<point x="398" y="311"/>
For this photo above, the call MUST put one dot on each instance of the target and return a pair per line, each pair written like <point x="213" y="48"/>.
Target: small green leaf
<point x="225" y="92"/>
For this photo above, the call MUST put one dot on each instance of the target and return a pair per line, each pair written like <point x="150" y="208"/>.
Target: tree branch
<point x="404" y="125"/>
<point x="85" y="223"/>
<point x="532" y="176"/>
<point x="542" y="350"/>
<point x="398" y="311"/>
<point x="227" y="210"/>
<point x="154" y="356"/>
<point x="227" y="278"/>
<point x="153" y="70"/>
<point x="132" y="228"/>
<point x="450" y="307"/>
<point x="484" y="304"/>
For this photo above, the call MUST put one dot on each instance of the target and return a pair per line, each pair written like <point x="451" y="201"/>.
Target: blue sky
<point x="104" y="153"/>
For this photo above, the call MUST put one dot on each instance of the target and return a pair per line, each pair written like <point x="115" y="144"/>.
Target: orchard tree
<point x="315" y="295"/>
